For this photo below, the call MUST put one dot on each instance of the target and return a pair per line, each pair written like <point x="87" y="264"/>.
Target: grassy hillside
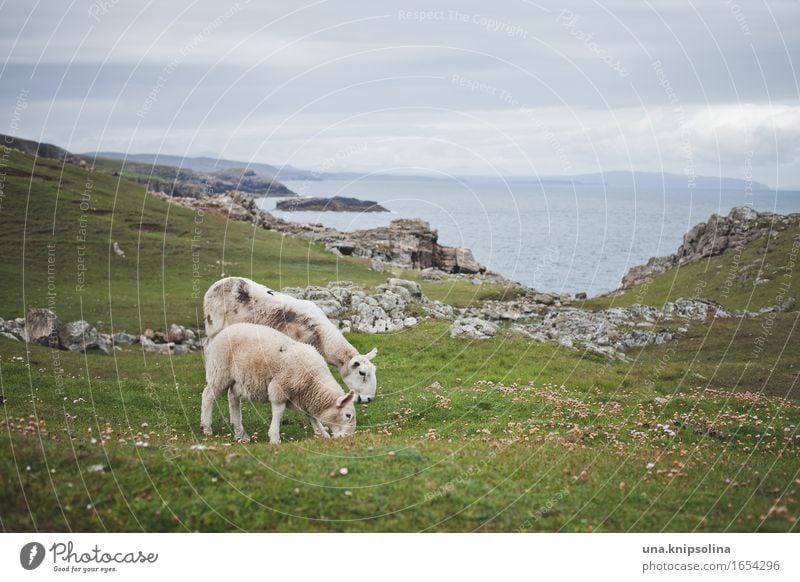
<point x="762" y="274"/>
<point x="700" y="434"/>
<point x="58" y="224"/>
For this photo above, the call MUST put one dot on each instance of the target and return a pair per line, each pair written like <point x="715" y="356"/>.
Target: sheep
<point x="256" y="363"/>
<point x="236" y="299"/>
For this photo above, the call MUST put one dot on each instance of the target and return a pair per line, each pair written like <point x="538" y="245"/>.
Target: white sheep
<point x="236" y="299"/>
<point x="256" y="363"/>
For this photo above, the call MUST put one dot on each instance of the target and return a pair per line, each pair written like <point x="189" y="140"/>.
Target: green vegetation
<point x="763" y="274"/>
<point x="496" y="435"/>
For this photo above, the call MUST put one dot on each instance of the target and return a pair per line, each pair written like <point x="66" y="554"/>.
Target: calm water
<point x="557" y="238"/>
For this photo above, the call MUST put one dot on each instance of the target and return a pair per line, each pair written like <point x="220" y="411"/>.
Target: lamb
<point x="256" y="363"/>
<point x="236" y="299"/>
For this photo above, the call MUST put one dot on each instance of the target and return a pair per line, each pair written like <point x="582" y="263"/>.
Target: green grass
<point x="730" y="278"/>
<point x="497" y="435"/>
<point x="172" y="253"/>
<point x="519" y="436"/>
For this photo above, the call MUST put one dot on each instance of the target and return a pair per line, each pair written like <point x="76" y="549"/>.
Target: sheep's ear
<point x="373" y="352"/>
<point x="344" y="399"/>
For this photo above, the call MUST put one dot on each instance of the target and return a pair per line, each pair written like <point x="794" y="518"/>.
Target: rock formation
<point x="707" y="239"/>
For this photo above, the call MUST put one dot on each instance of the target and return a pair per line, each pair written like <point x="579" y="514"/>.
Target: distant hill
<point x="163" y="177"/>
<point x="209" y="164"/>
<point x="35" y="148"/>
<point x="666" y="180"/>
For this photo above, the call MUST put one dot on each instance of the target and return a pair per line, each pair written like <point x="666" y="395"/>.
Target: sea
<point x="554" y="237"/>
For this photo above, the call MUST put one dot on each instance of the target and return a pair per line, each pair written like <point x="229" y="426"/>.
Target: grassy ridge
<point x="497" y="435"/>
<point x="763" y="273"/>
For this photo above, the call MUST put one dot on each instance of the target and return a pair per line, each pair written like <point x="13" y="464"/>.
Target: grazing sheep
<point x="236" y="299"/>
<point x="256" y="363"/>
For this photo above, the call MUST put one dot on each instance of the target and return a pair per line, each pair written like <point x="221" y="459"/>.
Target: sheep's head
<point x="359" y="375"/>
<point x="341" y="417"/>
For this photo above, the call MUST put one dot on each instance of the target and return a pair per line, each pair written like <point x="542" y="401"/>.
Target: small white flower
<point x="650" y="466"/>
<point x="343" y="471"/>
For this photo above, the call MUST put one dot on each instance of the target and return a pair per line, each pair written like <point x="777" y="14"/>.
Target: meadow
<point x="700" y="434"/>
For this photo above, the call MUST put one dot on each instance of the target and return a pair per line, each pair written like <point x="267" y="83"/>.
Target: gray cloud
<point x="472" y="87"/>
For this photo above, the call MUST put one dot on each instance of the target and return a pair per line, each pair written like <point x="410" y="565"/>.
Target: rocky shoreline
<point x="407" y="244"/>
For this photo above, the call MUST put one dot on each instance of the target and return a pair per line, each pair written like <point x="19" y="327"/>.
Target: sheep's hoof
<point x="243" y="438"/>
<point x="207" y="431"/>
<point x="275" y="439"/>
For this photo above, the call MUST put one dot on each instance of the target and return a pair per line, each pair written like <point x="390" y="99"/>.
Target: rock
<point x="124" y="339"/>
<point x="706" y="239"/>
<point x="80" y="336"/>
<point x="176" y="333"/>
<point x="118" y="251"/>
<point x="42" y="327"/>
<point x="473" y="328"/>
<point x="149" y="333"/>
<point x="377" y="265"/>
<point x="191" y="336"/>
<point x="334" y="204"/>
<point x="580" y="296"/>
<point x="414" y="288"/>
<point x="543" y="298"/>
<point x="458" y="260"/>
<point x="431" y="274"/>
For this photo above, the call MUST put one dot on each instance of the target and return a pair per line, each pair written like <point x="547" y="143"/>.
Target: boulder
<point x="81" y="336"/>
<point x="42" y="327"/>
<point x="473" y="328"/>
<point x="414" y="288"/>
<point x="124" y="339"/>
<point x="176" y="333"/>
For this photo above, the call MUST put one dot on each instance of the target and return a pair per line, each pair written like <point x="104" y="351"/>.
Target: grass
<point x="496" y="435"/>
<point x="761" y="274"/>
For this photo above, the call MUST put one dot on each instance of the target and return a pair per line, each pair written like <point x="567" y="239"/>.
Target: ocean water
<point x="552" y="237"/>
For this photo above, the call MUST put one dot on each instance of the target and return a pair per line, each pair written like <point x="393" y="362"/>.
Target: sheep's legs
<point x="275" y="426"/>
<point x="319" y="428"/>
<point x="207" y="408"/>
<point x="235" y="407"/>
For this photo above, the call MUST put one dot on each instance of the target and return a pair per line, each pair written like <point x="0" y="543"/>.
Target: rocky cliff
<point x="405" y="243"/>
<point x="707" y="239"/>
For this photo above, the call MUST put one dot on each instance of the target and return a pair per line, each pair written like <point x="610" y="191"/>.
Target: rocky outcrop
<point x="388" y="309"/>
<point x="81" y="336"/>
<point x="405" y="243"/>
<point x="613" y="331"/>
<point x="721" y="233"/>
<point x="43" y="327"/>
<point x="335" y="204"/>
<point x="473" y="328"/>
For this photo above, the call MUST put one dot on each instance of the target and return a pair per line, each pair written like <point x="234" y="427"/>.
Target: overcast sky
<point x="511" y="87"/>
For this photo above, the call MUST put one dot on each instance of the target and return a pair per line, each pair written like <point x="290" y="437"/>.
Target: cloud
<point x="463" y="86"/>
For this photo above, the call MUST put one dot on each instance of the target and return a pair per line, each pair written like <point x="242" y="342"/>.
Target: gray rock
<point x="81" y="336"/>
<point x="124" y="339"/>
<point x="431" y="274"/>
<point x="176" y="333"/>
<point x="414" y="288"/>
<point x="472" y="328"/>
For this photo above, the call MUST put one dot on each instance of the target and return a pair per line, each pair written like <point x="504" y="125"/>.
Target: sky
<point x="510" y="87"/>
